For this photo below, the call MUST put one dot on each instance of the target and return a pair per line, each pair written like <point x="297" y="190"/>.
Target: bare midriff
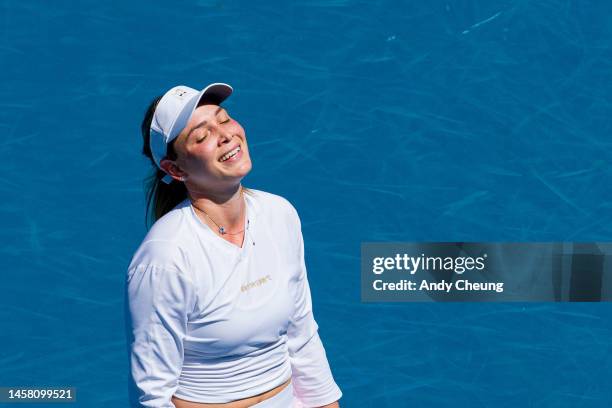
<point x="242" y="403"/>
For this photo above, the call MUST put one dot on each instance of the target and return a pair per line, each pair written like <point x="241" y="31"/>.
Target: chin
<point x="245" y="168"/>
<point x="240" y="170"/>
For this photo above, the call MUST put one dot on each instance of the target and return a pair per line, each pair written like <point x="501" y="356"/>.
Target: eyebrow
<point x="202" y="123"/>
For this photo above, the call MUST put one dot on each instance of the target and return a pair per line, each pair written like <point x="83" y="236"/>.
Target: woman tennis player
<point x="220" y="311"/>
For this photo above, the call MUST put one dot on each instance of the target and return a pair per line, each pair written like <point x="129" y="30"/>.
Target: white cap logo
<point x="180" y="92"/>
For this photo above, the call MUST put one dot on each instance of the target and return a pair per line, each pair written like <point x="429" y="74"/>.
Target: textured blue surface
<point x="382" y="120"/>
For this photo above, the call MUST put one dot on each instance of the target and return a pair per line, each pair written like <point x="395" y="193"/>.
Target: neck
<point x="225" y="207"/>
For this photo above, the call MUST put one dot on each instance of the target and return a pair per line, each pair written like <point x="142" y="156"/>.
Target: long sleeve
<point x="312" y="378"/>
<point x="159" y="301"/>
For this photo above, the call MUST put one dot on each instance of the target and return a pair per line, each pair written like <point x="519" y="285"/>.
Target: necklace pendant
<point x="221" y="230"/>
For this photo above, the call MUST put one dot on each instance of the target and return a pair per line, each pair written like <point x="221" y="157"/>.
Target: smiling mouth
<point x="230" y="154"/>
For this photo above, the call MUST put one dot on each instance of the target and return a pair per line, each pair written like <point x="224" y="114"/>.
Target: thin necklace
<point x="221" y="228"/>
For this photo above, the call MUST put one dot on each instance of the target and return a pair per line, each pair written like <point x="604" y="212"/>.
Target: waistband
<point x="283" y="399"/>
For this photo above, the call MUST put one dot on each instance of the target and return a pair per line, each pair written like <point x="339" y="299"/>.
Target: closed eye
<point x="201" y="139"/>
<point x="223" y="117"/>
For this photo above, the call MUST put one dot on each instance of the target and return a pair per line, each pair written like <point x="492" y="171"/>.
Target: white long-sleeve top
<point x="212" y="322"/>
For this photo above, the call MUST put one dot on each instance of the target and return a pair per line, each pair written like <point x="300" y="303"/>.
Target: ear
<point x="173" y="169"/>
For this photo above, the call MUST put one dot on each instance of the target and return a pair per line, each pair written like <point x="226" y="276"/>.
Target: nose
<point x="224" y="137"/>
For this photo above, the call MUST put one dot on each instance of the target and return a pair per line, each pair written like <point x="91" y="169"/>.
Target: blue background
<point x="379" y="120"/>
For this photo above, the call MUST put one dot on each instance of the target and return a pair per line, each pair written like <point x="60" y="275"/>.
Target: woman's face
<point x="212" y="150"/>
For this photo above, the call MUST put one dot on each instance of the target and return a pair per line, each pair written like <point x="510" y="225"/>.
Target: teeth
<point x="230" y="154"/>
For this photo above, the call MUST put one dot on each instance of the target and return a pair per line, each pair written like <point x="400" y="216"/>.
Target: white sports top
<point x="212" y="322"/>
